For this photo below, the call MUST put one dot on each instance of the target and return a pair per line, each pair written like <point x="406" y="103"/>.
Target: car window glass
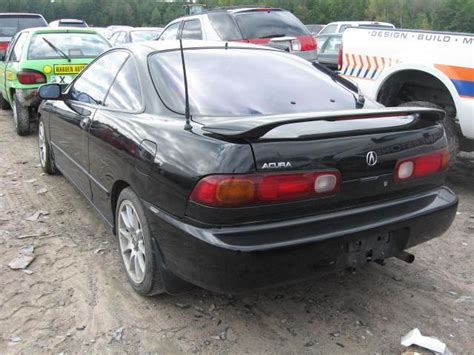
<point x="92" y="86"/>
<point x="171" y="32"/>
<point x="343" y="28"/>
<point x="225" y="26"/>
<point x="332" y="45"/>
<point x="122" y="38"/>
<point x="114" y="37"/>
<point x="18" y="48"/>
<point x="125" y="93"/>
<point x="328" y="29"/>
<point x="275" y="23"/>
<point x="192" y="30"/>
<point x="11" y="24"/>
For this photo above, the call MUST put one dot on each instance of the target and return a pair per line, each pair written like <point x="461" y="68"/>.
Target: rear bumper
<point x="308" y="55"/>
<point x="234" y="259"/>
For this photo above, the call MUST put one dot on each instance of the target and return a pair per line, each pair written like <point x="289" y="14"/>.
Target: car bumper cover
<point x="234" y="259"/>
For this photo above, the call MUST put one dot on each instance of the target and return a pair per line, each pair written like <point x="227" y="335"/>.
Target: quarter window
<point x="125" y="93"/>
<point x="18" y="48"/>
<point x="94" y="83"/>
<point x="192" y="30"/>
<point x="328" y="30"/>
<point x="171" y="32"/>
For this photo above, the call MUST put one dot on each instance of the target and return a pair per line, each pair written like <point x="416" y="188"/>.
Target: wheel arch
<point x="402" y="71"/>
<point x="117" y="188"/>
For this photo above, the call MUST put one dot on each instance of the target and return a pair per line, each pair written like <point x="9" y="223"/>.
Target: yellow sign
<point x="10" y="76"/>
<point x="69" y="68"/>
<point x="47" y="69"/>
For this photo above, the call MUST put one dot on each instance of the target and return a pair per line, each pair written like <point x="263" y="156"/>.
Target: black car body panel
<point x="102" y="149"/>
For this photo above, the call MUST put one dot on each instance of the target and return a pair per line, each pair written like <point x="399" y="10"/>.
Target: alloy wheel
<point x="42" y="144"/>
<point x="132" y="245"/>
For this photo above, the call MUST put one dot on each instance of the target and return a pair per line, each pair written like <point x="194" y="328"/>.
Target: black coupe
<point x="277" y="170"/>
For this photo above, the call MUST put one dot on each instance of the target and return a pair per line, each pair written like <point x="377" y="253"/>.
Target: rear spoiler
<point x="254" y="127"/>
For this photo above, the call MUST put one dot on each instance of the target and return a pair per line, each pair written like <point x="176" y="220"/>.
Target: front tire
<point x="139" y="253"/>
<point x="21" y="117"/>
<point x="46" y="158"/>
<point x="449" y="127"/>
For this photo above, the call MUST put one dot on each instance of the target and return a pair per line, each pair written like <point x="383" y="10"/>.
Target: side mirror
<point x="50" y="92"/>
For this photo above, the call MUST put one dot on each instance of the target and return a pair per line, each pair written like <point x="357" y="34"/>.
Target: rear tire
<point x="4" y="105"/>
<point x="45" y="156"/>
<point x="449" y="127"/>
<point x="21" y="117"/>
<point x="138" y="251"/>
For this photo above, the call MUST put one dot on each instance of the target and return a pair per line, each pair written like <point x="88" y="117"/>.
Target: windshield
<point x="236" y="82"/>
<point x="139" y="36"/>
<point x="261" y="24"/>
<point x="10" y="25"/>
<point x="74" y="45"/>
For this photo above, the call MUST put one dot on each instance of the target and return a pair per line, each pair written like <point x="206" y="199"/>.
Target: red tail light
<point x="308" y="43"/>
<point x="238" y="190"/>
<point x="28" y="77"/>
<point x="4" y="46"/>
<point x="340" y="55"/>
<point x="416" y="167"/>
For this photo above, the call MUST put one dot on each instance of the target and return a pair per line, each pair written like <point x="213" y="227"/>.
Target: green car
<point x="37" y="56"/>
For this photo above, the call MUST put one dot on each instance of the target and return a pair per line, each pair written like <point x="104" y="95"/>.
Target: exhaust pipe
<point x="406" y="257"/>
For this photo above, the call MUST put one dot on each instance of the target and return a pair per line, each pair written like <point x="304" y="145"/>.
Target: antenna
<point x="187" y="113"/>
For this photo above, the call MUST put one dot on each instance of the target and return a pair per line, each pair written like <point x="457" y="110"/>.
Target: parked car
<point x="43" y="55"/>
<point x="12" y="23"/>
<point x="281" y="175"/>
<point x="417" y="68"/>
<point x="315" y="29"/>
<point x="68" y="22"/>
<point x="138" y="34"/>
<point x="257" y="25"/>
<point x="105" y="32"/>
<point x="341" y="26"/>
<point x="328" y="53"/>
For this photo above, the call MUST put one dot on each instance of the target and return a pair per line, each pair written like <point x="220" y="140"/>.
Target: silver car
<point x="250" y="24"/>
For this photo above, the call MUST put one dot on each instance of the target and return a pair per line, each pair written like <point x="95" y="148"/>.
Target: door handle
<point x="85" y="122"/>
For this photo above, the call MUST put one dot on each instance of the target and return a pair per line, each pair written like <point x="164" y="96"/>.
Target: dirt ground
<point x="75" y="299"/>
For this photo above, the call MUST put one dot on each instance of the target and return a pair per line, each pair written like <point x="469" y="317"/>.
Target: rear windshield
<point x="263" y="24"/>
<point x="10" y="25"/>
<point x="74" y="45"/>
<point x="234" y="82"/>
<point x="139" y="36"/>
<point x="71" y="24"/>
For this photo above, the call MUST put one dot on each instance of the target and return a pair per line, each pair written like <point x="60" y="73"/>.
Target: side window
<point x="114" y="37"/>
<point x="121" y="38"/>
<point x="328" y="30"/>
<point x="225" y="26"/>
<point x="92" y="86"/>
<point x="192" y="30"/>
<point x="18" y="48"/>
<point x="171" y="32"/>
<point x="125" y="93"/>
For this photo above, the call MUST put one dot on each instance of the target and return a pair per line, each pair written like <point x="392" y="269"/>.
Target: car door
<point x="70" y="119"/>
<point x="113" y="140"/>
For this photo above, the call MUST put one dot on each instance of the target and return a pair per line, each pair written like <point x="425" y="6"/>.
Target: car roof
<point x="20" y="14"/>
<point x="60" y="30"/>
<point x="229" y="9"/>
<point x="359" y="22"/>
<point x="72" y="20"/>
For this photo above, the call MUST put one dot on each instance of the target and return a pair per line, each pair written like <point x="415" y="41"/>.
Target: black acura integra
<point x="281" y="171"/>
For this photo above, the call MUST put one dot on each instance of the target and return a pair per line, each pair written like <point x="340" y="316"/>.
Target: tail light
<point x="238" y="190"/>
<point x="27" y="77"/>
<point x="423" y="165"/>
<point x="339" y="57"/>
<point x="308" y="43"/>
<point x="4" y="46"/>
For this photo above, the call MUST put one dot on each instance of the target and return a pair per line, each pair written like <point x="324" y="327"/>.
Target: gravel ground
<point x="74" y="298"/>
